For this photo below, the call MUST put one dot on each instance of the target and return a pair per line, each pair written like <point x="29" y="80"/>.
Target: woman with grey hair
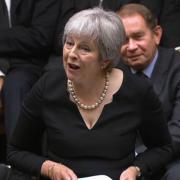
<point x="92" y="111"/>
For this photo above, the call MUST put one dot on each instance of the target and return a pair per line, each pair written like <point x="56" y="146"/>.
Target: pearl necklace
<point x="96" y="104"/>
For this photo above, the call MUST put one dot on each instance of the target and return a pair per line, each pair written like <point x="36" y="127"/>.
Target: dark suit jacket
<point x="5" y="172"/>
<point x="169" y="21"/>
<point x="155" y="6"/>
<point x="166" y="82"/>
<point x="168" y="14"/>
<point x="29" y="40"/>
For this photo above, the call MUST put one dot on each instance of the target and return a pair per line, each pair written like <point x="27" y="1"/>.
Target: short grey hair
<point x="105" y="27"/>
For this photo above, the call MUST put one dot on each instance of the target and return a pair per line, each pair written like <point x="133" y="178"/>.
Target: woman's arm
<point x="25" y="142"/>
<point x="57" y="171"/>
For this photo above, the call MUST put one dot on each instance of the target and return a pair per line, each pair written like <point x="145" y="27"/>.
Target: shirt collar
<point x="149" y="69"/>
<point x="8" y="4"/>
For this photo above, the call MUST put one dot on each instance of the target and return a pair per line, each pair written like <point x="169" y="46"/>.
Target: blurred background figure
<point x="168" y="13"/>
<point x="26" y="38"/>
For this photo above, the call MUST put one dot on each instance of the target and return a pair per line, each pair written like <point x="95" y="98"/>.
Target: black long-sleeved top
<point x="109" y="147"/>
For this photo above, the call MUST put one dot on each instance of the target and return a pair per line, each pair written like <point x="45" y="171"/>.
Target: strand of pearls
<point x="96" y="104"/>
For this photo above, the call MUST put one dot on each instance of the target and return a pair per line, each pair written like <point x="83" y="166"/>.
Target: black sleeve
<point x="115" y="5"/>
<point x="155" y="135"/>
<point x="31" y="35"/>
<point x="4" y="65"/>
<point x="67" y="10"/>
<point x="22" y="148"/>
<point x="174" y="120"/>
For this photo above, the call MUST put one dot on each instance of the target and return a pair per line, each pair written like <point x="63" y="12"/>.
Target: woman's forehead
<point x="84" y="38"/>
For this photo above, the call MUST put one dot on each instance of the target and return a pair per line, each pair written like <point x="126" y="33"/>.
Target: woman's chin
<point x="71" y="76"/>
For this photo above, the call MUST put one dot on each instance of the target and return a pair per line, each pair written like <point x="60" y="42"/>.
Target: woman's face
<point x="81" y="58"/>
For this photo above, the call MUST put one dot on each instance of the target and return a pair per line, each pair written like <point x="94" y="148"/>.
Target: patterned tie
<point x="141" y="74"/>
<point x="4" y="21"/>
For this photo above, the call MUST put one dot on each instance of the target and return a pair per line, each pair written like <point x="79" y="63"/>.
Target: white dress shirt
<point x="8" y="4"/>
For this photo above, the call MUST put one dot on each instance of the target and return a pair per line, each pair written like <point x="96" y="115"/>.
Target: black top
<point x="109" y="147"/>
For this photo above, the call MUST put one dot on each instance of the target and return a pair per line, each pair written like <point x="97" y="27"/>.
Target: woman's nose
<point x="73" y="52"/>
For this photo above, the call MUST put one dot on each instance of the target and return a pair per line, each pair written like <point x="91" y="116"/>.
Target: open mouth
<point x="73" y="66"/>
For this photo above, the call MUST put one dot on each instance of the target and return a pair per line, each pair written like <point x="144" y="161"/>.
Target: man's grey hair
<point x="105" y="27"/>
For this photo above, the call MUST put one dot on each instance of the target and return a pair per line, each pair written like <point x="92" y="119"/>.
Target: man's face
<point x="142" y="41"/>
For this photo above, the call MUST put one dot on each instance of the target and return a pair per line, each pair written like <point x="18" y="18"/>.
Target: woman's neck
<point x="91" y="87"/>
<point x="91" y="91"/>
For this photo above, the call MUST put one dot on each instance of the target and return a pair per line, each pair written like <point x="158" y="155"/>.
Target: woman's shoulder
<point x="134" y="84"/>
<point x="52" y="80"/>
<point x="54" y="74"/>
<point x="52" y="84"/>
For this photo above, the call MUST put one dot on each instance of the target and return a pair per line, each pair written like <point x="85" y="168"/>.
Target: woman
<point x="93" y="112"/>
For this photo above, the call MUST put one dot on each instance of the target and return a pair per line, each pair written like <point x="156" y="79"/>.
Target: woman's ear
<point x="105" y="64"/>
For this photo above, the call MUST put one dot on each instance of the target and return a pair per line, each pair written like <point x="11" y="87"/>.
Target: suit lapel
<point x="160" y="71"/>
<point x="14" y="5"/>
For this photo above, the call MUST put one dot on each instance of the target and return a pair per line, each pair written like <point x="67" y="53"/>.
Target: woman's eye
<point x="85" y="48"/>
<point x="69" y="43"/>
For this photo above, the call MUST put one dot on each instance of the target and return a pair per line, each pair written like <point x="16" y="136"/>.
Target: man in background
<point x="142" y="53"/>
